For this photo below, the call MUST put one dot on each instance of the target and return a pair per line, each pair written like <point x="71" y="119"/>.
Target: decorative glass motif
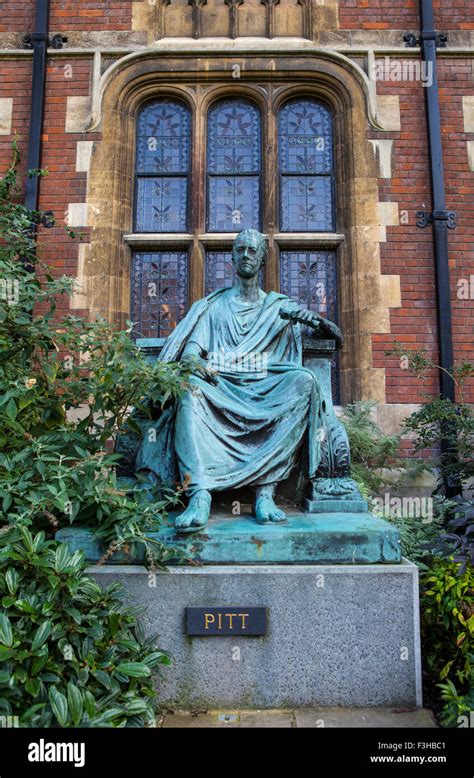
<point x="306" y="167"/>
<point x="163" y="138"/>
<point x="306" y="204"/>
<point x="219" y="271"/>
<point x="163" y="159"/>
<point x="310" y="278"/>
<point x="233" y="203"/>
<point x="159" y="292"/>
<point x="161" y="205"/>
<point x="233" y="166"/>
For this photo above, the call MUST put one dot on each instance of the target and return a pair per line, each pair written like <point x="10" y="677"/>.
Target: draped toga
<point x="251" y="426"/>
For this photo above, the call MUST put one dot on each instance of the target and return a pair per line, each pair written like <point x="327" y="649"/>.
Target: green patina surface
<point x="323" y="538"/>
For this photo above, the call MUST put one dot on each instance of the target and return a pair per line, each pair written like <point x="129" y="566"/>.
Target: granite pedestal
<point x="337" y="635"/>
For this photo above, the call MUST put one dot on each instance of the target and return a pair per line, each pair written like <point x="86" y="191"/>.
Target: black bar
<point x="40" y="45"/>
<point x="440" y="231"/>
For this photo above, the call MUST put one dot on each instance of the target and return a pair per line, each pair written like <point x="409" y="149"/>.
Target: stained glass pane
<point x="305" y="138"/>
<point x="233" y="166"/>
<point x="219" y="271"/>
<point x="305" y="154"/>
<point x="159" y="292"/>
<point x="306" y="204"/>
<point x="233" y="203"/>
<point x="233" y="138"/>
<point x="163" y="140"/>
<point x="161" y="204"/>
<point x="310" y="278"/>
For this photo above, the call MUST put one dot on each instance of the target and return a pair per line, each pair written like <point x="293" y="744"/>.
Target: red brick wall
<point x="90" y="15"/>
<point x="378" y="14"/>
<point x="17" y="16"/>
<point x="15" y="82"/>
<point x="403" y="15"/>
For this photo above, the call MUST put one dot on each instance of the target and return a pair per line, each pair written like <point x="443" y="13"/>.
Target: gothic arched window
<point x="182" y="253"/>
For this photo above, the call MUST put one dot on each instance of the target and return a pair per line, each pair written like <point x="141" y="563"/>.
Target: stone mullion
<point x="160" y="18"/>
<point x="233" y="17"/>
<point x="197" y="201"/>
<point x="197" y="17"/>
<point x="270" y="196"/>
<point x="307" y="29"/>
<point x="270" y="6"/>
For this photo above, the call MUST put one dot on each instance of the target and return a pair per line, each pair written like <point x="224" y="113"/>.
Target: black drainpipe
<point x="441" y="220"/>
<point x="39" y="42"/>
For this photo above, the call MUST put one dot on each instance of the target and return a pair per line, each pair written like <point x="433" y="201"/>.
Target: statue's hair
<point x="262" y="242"/>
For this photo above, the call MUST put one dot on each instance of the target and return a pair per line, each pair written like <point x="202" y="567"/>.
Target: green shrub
<point x="447" y="627"/>
<point x="372" y="452"/>
<point x="72" y="654"/>
<point x="66" y="389"/>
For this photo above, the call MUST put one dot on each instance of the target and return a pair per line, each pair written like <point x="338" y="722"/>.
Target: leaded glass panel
<point x="306" y="167"/>
<point x="310" y="278"/>
<point x="306" y="204"/>
<point x="163" y="142"/>
<point x="159" y="292"/>
<point x="163" y="159"/>
<point x="233" y="166"/>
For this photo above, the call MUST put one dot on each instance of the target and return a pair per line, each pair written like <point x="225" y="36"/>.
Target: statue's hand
<point x="294" y="313"/>
<point x="326" y="328"/>
<point x="198" y="367"/>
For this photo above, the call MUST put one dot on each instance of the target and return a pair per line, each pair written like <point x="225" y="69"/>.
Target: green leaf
<point x="134" y="669"/>
<point x="157" y="658"/>
<point x="6" y="636"/>
<point x="42" y="634"/>
<point x="61" y="558"/>
<point x="11" y="409"/>
<point x="32" y="686"/>
<point x="75" y="702"/>
<point x="11" y="580"/>
<point x="59" y="706"/>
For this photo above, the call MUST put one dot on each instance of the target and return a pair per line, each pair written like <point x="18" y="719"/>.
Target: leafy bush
<point x="66" y="389"/>
<point x="72" y="654"/>
<point x="447" y="626"/>
<point x="373" y="452"/>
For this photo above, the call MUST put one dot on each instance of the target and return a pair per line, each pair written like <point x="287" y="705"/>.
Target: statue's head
<point x="249" y="253"/>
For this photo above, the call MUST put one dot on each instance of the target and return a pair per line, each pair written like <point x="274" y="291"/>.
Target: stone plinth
<point x="337" y="635"/>
<point x="323" y="538"/>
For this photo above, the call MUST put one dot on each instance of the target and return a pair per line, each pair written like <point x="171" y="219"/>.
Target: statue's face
<point x="247" y="255"/>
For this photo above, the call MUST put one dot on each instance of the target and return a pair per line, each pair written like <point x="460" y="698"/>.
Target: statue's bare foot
<point x="265" y="508"/>
<point x="196" y="515"/>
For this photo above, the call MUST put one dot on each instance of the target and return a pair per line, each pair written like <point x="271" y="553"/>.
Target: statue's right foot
<point x="196" y="515"/>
